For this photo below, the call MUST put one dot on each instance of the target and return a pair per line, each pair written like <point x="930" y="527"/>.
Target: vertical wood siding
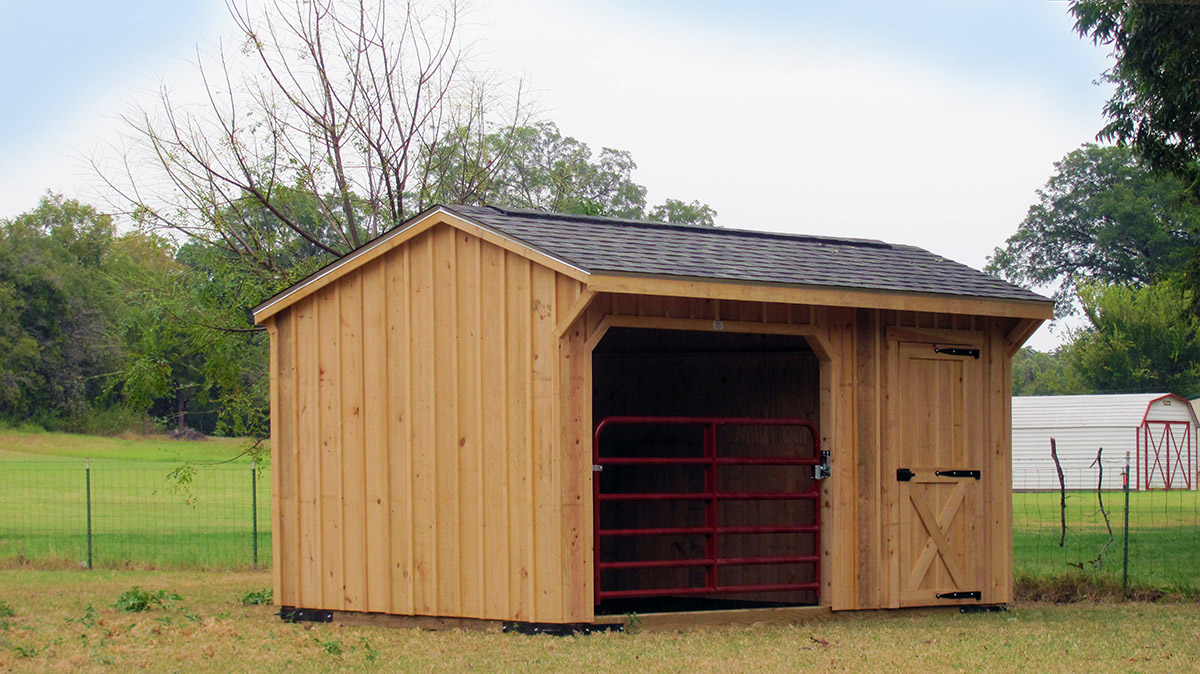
<point x="415" y="448"/>
<point x="432" y="418"/>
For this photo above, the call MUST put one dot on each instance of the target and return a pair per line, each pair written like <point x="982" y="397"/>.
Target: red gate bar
<point x="728" y="561"/>
<point x="712" y="560"/>
<point x="720" y="496"/>
<point x="684" y="531"/>
<point x="720" y="589"/>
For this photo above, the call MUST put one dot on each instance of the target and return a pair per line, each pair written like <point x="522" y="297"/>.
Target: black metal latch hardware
<point x="904" y="475"/>
<point x="821" y="470"/>
<point x="974" y="594"/>
<point x="957" y="351"/>
<point x="958" y="473"/>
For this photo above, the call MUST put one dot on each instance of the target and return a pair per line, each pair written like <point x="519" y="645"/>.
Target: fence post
<point x="87" y="471"/>
<point x="1125" y="561"/>
<point x="254" y="506"/>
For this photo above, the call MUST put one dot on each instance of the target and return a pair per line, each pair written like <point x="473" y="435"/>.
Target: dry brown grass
<point x="211" y="631"/>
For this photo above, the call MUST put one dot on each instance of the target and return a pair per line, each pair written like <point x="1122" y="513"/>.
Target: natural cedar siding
<point x="431" y="423"/>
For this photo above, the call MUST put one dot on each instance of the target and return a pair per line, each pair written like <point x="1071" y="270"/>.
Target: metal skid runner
<point x="712" y="496"/>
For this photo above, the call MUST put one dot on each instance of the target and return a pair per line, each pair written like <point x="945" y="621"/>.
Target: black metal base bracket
<point x="559" y="629"/>
<point x="985" y="608"/>
<point x="291" y="614"/>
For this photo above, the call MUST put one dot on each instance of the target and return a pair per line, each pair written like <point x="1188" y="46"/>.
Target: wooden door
<point x="938" y="422"/>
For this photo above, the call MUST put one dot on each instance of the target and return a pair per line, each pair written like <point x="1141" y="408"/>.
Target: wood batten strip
<point x="353" y="484"/>
<point x="377" y="468"/>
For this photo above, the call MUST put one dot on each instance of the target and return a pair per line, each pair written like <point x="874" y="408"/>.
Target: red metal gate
<point x="712" y="496"/>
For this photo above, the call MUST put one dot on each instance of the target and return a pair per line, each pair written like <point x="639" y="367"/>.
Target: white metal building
<point x="1159" y="430"/>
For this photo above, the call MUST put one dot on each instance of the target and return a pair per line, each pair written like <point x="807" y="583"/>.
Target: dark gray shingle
<point x="605" y="245"/>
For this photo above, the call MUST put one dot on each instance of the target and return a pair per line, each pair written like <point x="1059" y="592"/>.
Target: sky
<point x="930" y="123"/>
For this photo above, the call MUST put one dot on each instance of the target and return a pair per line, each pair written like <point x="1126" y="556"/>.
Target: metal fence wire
<point x="140" y="515"/>
<point x="129" y="514"/>
<point x="1085" y="521"/>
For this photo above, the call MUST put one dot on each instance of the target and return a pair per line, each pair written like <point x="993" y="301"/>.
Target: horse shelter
<point x="492" y="415"/>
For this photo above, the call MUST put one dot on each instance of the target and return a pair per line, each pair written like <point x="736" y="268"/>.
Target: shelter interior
<point x="755" y="539"/>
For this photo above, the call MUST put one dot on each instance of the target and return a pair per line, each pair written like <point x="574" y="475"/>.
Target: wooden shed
<point x="520" y="416"/>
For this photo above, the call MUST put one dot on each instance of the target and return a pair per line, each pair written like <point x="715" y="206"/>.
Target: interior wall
<point x="642" y="372"/>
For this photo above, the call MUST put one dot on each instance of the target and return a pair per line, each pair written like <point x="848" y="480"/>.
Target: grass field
<point x="141" y="515"/>
<point x="143" y="518"/>
<point x="34" y="445"/>
<point x="209" y="630"/>
<point x="1164" y="536"/>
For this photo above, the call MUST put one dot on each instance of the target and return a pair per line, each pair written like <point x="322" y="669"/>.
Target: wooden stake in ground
<point x="1062" y="492"/>
<point x="1099" y="561"/>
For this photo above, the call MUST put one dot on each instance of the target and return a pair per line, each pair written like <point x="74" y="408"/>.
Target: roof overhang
<point x="418" y="224"/>
<point x="674" y="286"/>
<point x="1032" y="313"/>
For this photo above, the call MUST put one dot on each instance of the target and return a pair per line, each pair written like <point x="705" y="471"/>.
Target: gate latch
<point x="597" y="468"/>
<point x="821" y="470"/>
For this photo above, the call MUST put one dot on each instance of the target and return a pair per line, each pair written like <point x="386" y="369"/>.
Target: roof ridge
<point x="597" y="219"/>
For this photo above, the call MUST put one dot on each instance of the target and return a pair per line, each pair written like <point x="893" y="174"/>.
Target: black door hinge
<point x="957" y="351"/>
<point x="973" y="594"/>
<point x="904" y="475"/>
<point x="958" y="473"/>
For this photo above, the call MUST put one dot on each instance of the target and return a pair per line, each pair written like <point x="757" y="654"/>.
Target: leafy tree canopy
<point x="1101" y="217"/>
<point x="60" y="296"/>
<point x="1036" y="373"/>
<point x="1142" y="339"/>
<point x="1156" y="104"/>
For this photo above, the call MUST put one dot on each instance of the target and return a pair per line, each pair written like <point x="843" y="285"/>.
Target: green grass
<point x="143" y="517"/>
<point x="141" y="514"/>
<point x="33" y="445"/>
<point x="211" y="630"/>
<point x="1164" y="537"/>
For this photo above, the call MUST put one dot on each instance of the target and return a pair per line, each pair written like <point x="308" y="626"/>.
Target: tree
<point x="194" y="356"/>
<point x="1035" y="373"/>
<point x="334" y="121"/>
<point x="547" y="171"/>
<point x="1102" y="217"/>
<point x="1142" y="339"/>
<point x="348" y="103"/>
<point x="60" y="299"/>
<point x="677" y="212"/>
<point x="1155" y="107"/>
<point x="1156" y="104"/>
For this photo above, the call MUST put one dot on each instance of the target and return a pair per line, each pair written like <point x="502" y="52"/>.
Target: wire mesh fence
<point x="119" y="514"/>
<point x="1090" y="522"/>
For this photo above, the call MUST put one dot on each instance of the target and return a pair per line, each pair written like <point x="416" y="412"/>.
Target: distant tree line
<point x="106" y="330"/>
<point x="323" y="125"/>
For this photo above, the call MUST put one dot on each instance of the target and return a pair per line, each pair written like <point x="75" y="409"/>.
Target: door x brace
<point x="937" y="544"/>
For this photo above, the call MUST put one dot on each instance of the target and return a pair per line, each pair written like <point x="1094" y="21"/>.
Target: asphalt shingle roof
<point x="607" y="245"/>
